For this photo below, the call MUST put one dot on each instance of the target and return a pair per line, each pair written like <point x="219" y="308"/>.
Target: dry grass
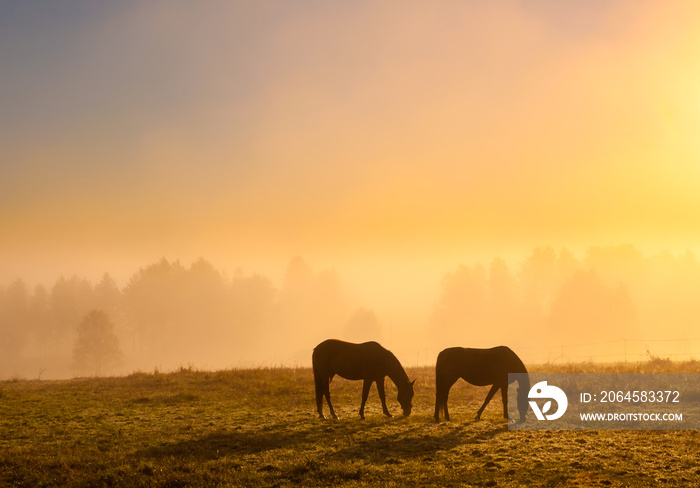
<point x="259" y="428"/>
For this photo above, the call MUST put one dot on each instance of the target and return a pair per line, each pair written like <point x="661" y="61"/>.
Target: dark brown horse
<point x="480" y="367"/>
<point x="369" y="362"/>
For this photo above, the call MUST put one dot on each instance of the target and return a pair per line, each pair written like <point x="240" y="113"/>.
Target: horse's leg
<point x="442" y="391"/>
<point x="366" y="384"/>
<point x="382" y="397"/>
<point x="327" y="393"/>
<point x="444" y="403"/>
<point x="319" y="395"/>
<point x="439" y="400"/>
<point x="504" y="398"/>
<point x="492" y="392"/>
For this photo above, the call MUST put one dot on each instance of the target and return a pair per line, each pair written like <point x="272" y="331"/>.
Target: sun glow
<point x="390" y="142"/>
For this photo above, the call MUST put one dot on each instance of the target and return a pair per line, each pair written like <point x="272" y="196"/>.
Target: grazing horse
<point x="480" y="367"/>
<point x="369" y="362"/>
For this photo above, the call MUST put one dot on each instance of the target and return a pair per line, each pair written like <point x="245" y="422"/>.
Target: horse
<point x="480" y="367"/>
<point x="368" y="362"/>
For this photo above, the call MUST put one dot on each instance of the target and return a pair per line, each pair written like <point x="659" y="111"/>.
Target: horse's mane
<point x="395" y="371"/>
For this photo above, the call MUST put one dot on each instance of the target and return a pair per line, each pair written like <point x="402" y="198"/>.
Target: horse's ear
<point x="413" y="382"/>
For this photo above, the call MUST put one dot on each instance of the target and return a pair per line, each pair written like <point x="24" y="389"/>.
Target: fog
<point x="228" y="183"/>
<point x="609" y="304"/>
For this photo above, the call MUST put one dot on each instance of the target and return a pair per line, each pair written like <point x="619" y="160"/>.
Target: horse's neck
<point x="396" y="372"/>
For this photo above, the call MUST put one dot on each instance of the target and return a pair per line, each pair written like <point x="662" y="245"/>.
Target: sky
<point x="389" y="140"/>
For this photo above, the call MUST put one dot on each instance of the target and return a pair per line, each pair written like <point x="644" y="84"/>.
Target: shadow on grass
<point x="242" y="441"/>
<point x="230" y="443"/>
<point x="418" y="442"/>
<point x="372" y="442"/>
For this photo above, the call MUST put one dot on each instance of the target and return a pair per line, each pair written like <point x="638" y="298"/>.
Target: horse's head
<point x="405" y="396"/>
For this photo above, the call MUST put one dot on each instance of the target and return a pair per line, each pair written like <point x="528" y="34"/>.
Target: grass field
<point x="259" y="428"/>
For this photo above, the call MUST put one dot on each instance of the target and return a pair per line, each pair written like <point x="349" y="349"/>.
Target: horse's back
<point x="329" y="344"/>
<point x="336" y="346"/>
<point x="348" y="359"/>
<point x="479" y="366"/>
<point x="325" y="351"/>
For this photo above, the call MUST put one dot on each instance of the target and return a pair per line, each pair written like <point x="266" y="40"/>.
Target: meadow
<point x="258" y="427"/>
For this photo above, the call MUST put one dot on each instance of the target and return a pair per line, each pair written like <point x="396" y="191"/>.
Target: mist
<point x="609" y="304"/>
<point x="343" y="132"/>
<point x="228" y="184"/>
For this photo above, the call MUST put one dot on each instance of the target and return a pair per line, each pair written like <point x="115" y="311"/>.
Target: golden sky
<point x="374" y="137"/>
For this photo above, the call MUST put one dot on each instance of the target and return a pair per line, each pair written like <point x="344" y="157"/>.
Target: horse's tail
<point x="441" y="391"/>
<point x="321" y="384"/>
<point x="320" y="372"/>
<point x="438" y="365"/>
<point x="315" y="362"/>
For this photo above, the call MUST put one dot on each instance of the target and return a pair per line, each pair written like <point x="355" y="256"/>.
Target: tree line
<point x="554" y="298"/>
<point x="170" y="315"/>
